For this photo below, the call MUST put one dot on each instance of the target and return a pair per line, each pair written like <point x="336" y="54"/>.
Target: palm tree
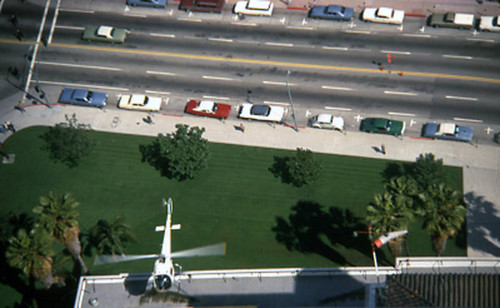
<point x="109" y="238"/>
<point x="393" y="210"/>
<point x="444" y="214"/>
<point x="58" y="215"/>
<point x="32" y="253"/>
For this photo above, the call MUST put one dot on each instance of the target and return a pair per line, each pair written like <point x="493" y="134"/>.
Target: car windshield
<point x="89" y="96"/>
<point x="388" y="125"/>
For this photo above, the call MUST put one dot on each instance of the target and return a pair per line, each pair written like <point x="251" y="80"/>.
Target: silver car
<point x="327" y="121"/>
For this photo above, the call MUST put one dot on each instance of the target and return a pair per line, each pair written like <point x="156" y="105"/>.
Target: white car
<point x="254" y="7"/>
<point x="140" y="102"/>
<point x="489" y="23"/>
<point x="327" y="121"/>
<point x="262" y="112"/>
<point x="383" y="15"/>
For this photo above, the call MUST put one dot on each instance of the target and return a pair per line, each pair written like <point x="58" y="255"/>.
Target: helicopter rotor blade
<point x="107" y="259"/>
<point x="211" y="250"/>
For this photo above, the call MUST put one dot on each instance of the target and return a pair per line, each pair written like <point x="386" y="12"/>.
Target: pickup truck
<point x="452" y="20"/>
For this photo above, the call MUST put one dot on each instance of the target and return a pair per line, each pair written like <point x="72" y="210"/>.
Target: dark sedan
<point x="332" y="12"/>
<point x="383" y="126"/>
<point x="148" y="3"/>
<point x="83" y="97"/>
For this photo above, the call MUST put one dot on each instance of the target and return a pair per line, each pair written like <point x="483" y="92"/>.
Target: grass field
<point x="236" y="200"/>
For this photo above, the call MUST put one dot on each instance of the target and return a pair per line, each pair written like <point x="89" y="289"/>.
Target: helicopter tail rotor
<point x="107" y="259"/>
<point x="211" y="250"/>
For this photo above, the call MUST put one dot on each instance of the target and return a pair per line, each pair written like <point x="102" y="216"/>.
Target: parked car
<point x="212" y="6"/>
<point x="148" y="3"/>
<point x="208" y="108"/>
<point x="496" y="138"/>
<point x="83" y="97"/>
<point x="383" y="126"/>
<point x="139" y="102"/>
<point x="254" y="7"/>
<point x="452" y="20"/>
<point x="262" y="112"/>
<point x="332" y="12"/>
<point x="384" y="15"/>
<point x="327" y="121"/>
<point x="489" y="23"/>
<point x="104" y="34"/>
<point x="448" y="131"/>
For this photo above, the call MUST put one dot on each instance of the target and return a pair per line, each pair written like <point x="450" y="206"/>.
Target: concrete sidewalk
<point x="481" y="163"/>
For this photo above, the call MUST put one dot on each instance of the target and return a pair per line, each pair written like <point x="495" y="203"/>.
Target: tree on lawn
<point x="68" y="142"/>
<point x="427" y="170"/>
<point x="181" y="155"/>
<point x="444" y="214"/>
<point x="32" y="253"/>
<point x="297" y="170"/>
<point x="393" y="210"/>
<point x="58" y="215"/>
<point x="109" y="238"/>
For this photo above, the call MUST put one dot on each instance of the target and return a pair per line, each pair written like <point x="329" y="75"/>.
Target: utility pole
<point x="288" y="72"/>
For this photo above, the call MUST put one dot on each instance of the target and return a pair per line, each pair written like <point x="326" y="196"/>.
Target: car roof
<point x="385" y="12"/>
<point x="325" y="118"/>
<point x="258" y="4"/>
<point x="80" y="93"/>
<point x="446" y="128"/>
<point x="138" y="99"/>
<point x="260" y="109"/>
<point x="104" y="31"/>
<point x="205" y="105"/>
<point x="334" y="9"/>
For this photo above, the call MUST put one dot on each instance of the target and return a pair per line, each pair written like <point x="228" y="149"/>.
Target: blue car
<point x="148" y="3"/>
<point x="83" y="97"/>
<point x="447" y="131"/>
<point x="332" y="12"/>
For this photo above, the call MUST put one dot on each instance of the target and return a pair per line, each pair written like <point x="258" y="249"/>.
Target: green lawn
<point x="236" y="200"/>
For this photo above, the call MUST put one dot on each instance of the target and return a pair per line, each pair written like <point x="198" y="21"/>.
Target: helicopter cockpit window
<point x="163" y="282"/>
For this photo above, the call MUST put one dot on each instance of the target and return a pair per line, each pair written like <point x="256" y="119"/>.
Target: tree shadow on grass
<point x="280" y="170"/>
<point x="309" y="224"/>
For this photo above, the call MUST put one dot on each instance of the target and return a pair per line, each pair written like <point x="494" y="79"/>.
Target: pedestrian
<point x="13" y="20"/>
<point x="20" y="107"/>
<point x="19" y="34"/>
<point x="242" y="127"/>
<point x="10" y="127"/>
<point x="382" y="149"/>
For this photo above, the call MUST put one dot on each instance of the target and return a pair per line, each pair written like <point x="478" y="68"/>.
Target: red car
<point x="208" y="109"/>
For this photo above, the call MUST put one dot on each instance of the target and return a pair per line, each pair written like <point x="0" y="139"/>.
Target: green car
<point x="383" y="126"/>
<point x="104" y="34"/>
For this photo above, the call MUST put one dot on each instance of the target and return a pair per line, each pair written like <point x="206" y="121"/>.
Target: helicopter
<point x="164" y="273"/>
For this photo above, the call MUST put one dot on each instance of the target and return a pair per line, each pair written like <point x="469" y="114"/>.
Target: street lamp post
<point x="288" y="72"/>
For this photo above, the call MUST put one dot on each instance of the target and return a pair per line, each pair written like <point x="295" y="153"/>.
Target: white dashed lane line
<point x="90" y="86"/>
<point x="396" y="52"/>
<point x="162" y="35"/>
<point x="161" y="73"/>
<point x="76" y="11"/>
<point x="277" y="83"/>
<point x="300" y="28"/>
<point x="244" y="25"/>
<point x="216" y="97"/>
<point x="417" y="35"/>
<point x="157" y="92"/>
<point x="216" y="39"/>
<point x="336" y="88"/>
<point x="468" y="120"/>
<point x="335" y="48"/>
<point x="279" y="44"/>
<point x="473" y="99"/>
<point x="400" y="93"/>
<point x="337" y="108"/>
<point x="189" y="19"/>
<point x="217" y="78"/>
<point x="457" y="57"/>
<point x="402" y="114"/>
<point x="104" y="68"/>
<point x="276" y="103"/>
<point x="70" y="28"/>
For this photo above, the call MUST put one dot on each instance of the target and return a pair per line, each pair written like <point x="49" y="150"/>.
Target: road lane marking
<point x="80" y="66"/>
<point x="400" y="93"/>
<point x="357" y="31"/>
<point x="70" y="27"/>
<point x="220" y="40"/>
<point x="337" y="88"/>
<point x="136" y="15"/>
<point x="244" y="24"/>
<point x="300" y="28"/>
<point x="189" y="19"/>
<point x="162" y="35"/>
<point x="157" y="92"/>
<point x="481" y="40"/>
<point x="396" y="52"/>
<point x="401" y="114"/>
<point x="161" y="73"/>
<point x="253" y="61"/>
<point x="76" y="11"/>
<point x="335" y="48"/>
<point x="217" y="78"/>
<point x="57" y="83"/>
<point x="338" y="108"/>
<point x="279" y="44"/>
<point x="416" y="35"/>
<point x="277" y="83"/>
<point x="468" y="120"/>
<point x="457" y="57"/>
<point x="216" y="97"/>
<point x="461" y="98"/>
<point x="276" y="103"/>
